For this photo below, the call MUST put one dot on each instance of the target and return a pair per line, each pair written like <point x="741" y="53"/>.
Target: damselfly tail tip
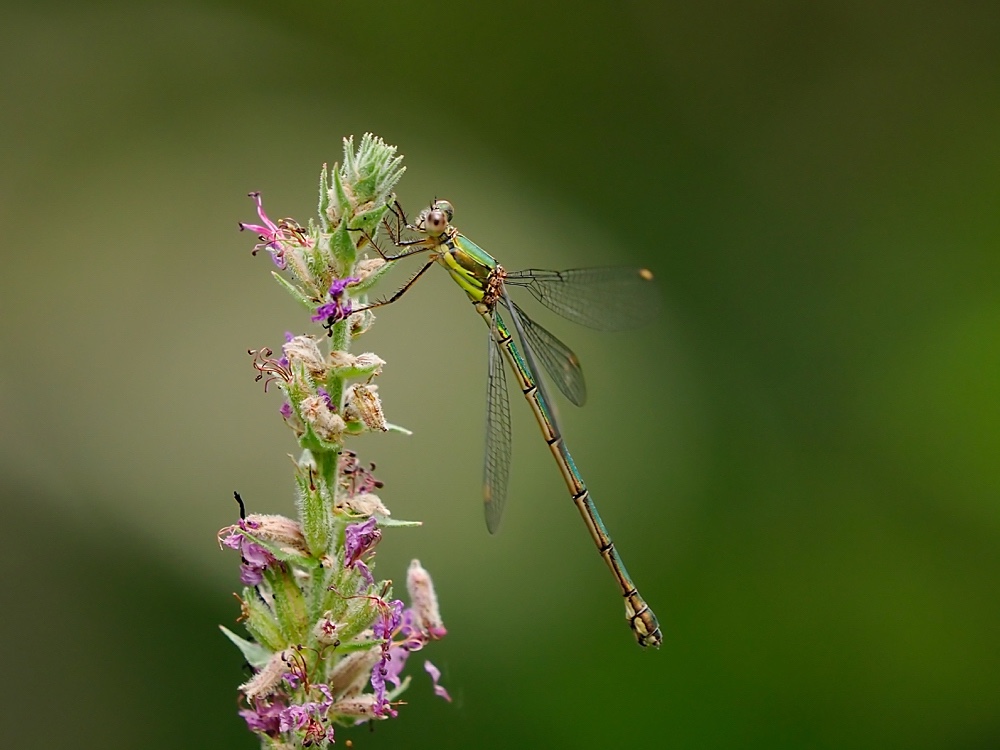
<point x="654" y="639"/>
<point x="643" y="622"/>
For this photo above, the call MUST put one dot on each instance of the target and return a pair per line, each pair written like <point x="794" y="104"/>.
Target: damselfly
<point x="603" y="298"/>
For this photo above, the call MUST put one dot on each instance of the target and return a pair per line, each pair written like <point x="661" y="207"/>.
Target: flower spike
<point x="326" y="639"/>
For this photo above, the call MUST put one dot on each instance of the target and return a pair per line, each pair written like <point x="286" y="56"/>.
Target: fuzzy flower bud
<point x="359" y="323"/>
<point x="365" y="504"/>
<point x="361" y="707"/>
<point x="356" y="366"/>
<point x="351" y="673"/>
<point x="327" y="425"/>
<point x="363" y="405"/>
<point x="325" y="630"/>
<point x="367" y="267"/>
<point x="280" y="530"/>
<point x="425" y="603"/>
<point x="267" y="680"/>
<point x="303" y="351"/>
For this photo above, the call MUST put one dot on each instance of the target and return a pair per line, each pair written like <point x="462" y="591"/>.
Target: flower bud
<point x="424" y="600"/>
<point x="267" y="680"/>
<point x="363" y="404"/>
<point x="303" y="351"/>
<point x="359" y="322"/>
<point x="283" y="531"/>
<point x="367" y="267"/>
<point x="325" y="630"/>
<point x="364" y="504"/>
<point x="327" y="425"/>
<point x="360" y="706"/>
<point x="347" y="365"/>
<point x="351" y="673"/>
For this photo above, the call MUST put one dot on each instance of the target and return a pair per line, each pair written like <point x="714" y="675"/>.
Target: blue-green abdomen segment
<point x="640" y="617"/>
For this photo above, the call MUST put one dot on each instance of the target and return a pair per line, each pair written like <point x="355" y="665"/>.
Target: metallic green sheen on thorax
<point x="469" y="265"/>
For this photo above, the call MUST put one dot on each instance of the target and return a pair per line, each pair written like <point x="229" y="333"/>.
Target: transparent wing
<point x="496" y="465"/>
<point x="558" y="359"/>
<point x="607" y="298"/>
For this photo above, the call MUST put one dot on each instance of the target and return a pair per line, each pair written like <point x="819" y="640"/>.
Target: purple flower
<point x="264" y="717"/>
<point x="359" y="539"/>
<point x="326" y="397"/>
<point x="294" y="717"/>
<point x="339" y="306"/>
<point x="435" y="674"/>
<point x="337" y="286"/>
<point x="361" y="479"/>
<point x="402" y="633"/>
<point x="366" y="573"/>
<point x="380" y="672"/>
<point x="272" y="236"/>
<point x="382" y="706"/>
<point x="396" y="660"/>
<point x="389" y="617"/>
<point x="255" y="559"/>
<point x="409" y="630"/>
<point x="310" y="716"/>
<point x="293" y="678"/>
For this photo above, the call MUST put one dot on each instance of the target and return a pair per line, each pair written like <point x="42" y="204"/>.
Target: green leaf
<point x="349" y="166"/>
<point x="368" y="220"/>
<point x="395" y="692"/>
<point x="294" y="291"/>
<point x="259" y="621"/>
<point x="342" y="245"/>
<point x="352" y="646"/>
<point x="343" y="203"/>
<point x="386" y="522"/>
<point x="289" y="603"/>
<point x="255" y="654"/>
<point x="355" y="370"/>
<point x="324" y="199"/>
<point x="315" y="514"/>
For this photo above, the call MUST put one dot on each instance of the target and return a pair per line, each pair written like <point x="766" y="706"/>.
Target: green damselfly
<point x="603" y="298"/>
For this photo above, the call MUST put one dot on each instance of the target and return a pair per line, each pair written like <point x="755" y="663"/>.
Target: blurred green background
<point x="798" y="461"/>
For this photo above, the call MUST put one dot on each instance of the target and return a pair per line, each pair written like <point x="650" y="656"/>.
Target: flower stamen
<point x="267" y="366"/>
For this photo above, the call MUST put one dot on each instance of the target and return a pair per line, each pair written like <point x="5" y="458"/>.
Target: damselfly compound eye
<point x="437" y="220"/>
<point x="447" y="208"/>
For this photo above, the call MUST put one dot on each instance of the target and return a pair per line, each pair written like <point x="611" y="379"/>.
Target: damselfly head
<point x="445" y="207"/>
<point x="435" y="220"/>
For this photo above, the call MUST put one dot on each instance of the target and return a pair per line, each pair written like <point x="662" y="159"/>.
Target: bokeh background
<point x="798" y="460"/>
